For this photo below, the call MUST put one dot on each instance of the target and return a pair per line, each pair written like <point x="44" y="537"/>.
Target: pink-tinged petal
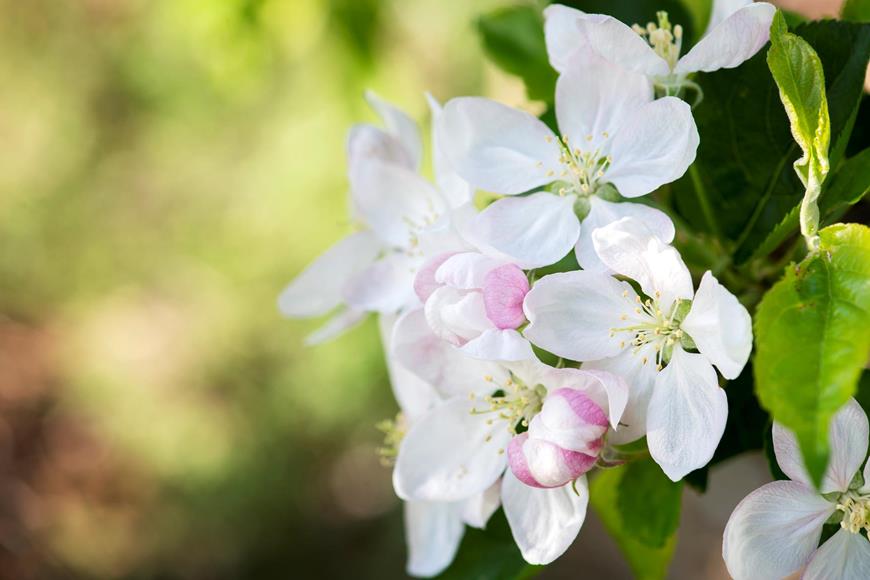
<point x="456" y="316"/>
<point x="466" y="270"/>
<point x="845" y="555"/>
<point x="655" y="145"/>
<point x="544" y="522"/>
<point x="543" y="464"/>
<point x="433" y="531"/>
<point x="731" y="42"/>
<point x="774" y="530"/>
<point x="686" y="416"/>
<point x="602" y="213"/>
<point x="504" y="290"/>
<point x="570" y="420"/>
<point x="425" y="283"/>
<point x="847" y="435"/>
<point x="531" y="231"/>
<point x="720" y="326"/>
<point x="499" y="345"/>
<point x="498" y="148"/>
<point x="399" y="125"/>
<point x="318" y="289"/>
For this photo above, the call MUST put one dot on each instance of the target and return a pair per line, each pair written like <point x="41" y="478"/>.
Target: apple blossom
<point x="459" y="449"/>
<point x="736" y="31"/>
<point x="433" y="529"/>
<point x="775" y="530"/>
<point x="613" y="132"/>
<point x="603" y="322"/>
<point x="405" y="218"/>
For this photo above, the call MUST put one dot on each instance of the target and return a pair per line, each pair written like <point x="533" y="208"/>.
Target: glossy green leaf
<point x="649" y="503"/>
<point x="812" y="339"/>
<point x="848" y="185"/>
<point x="513" y="38"/>
<point x="647" y="562"/>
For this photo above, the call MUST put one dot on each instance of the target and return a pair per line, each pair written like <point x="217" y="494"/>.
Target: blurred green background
<point x="168" y="166"/>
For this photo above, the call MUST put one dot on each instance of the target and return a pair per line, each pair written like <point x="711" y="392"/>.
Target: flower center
<point x="664" y="39"/>
<point x="514" y="402"/>
<point x="417" y="225"/>
<point x="581" y="168"/>
<point x="659" y="329"/>
<point x="394" y="431"/>
<point x="856" y="511"/>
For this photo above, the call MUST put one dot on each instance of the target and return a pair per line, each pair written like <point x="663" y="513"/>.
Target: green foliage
<point x="489" y="554"/>
<point x="849" y="185"/>
<point x="648" y="560"/>
<point x="856" y="10"/>
<point x="742" y="169"/>
<point x="812" y="339"/>
<point x="513" y="38"/>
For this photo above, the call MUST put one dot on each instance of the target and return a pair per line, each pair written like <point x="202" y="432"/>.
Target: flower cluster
<point x="467" y="317"/>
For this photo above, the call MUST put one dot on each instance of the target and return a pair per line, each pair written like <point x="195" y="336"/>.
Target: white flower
<point x="433" y="529"/>
<point x="459" y="449"/>
<point x="601" y="321"/>
<point x="736" y="31"/>
<point x="475" y="303"/>
<point x="613" y="131"/>
<point x="775" y="530"/>
<point x="405" y="220"/>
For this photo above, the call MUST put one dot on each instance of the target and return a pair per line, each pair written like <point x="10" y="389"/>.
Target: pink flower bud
<point x="504" y="289"/>
<point x="425" y="283"/>
<point x="571" y="420"/>
<point x="540" y="463"/>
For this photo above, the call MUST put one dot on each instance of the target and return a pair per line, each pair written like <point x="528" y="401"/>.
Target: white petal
<point x="720" y="326"/>
<point x="499" y="345"/>
<point x="365" y="142"/>
<point x="337" y="325"/>
<point x="686" y="416"/>
<point x="544" y="522"/>
<point x="629" y="248"/>
<point x="394" y="201"/>
<point x="414" y="395"/>
<point x="497" y="148"/>
<point x="845" y="556"/>
<point x="456" y="191"/>
<point x="457" y="315"/>
<point x="438" y="363"/>
<point x="450" y="454"/>
<point x="433" y="531"/>
<point x="533" y="231"/>
<point x="477" y="509"/>
<point x="386" y="286"/>
<point x="655" y="145"/>
<point x="640" y="377"/>
<point x="466" y="270"/>
<point x="847" y="434"/>
<point x="594" y="97"/>
<point x="318" y="289"/>
<point x="564" y="43"/>
<point x="400" y="125"/>
<point x="731" y="42"/>
<point x="607" y="390"/>
<point x="773" y="531"/>
<point x="571" y="314"/>
<point x="722" y="9"/>
<point x="602" y="213"/>
<point x="621" y="45"/>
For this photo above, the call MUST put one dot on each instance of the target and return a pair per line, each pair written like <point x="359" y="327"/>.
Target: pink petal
<point x="543" y="464"/>
<point x="504" y="289"/>
<point x="425" y="283"/>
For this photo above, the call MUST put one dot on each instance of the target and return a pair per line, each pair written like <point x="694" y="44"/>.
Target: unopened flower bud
<point x="539" y="463"/>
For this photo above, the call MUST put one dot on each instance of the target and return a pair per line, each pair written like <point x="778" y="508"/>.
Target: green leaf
<point x="743" y="162"/>
<point x="489" y="554"/>
<point x="513" y="38"/>
<point x="848" y="185"/>
<point x="856" y="10"/>
<point x="812" y="340"/>
<point x="605" y="493"/>
<point x="649" y="503"/>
